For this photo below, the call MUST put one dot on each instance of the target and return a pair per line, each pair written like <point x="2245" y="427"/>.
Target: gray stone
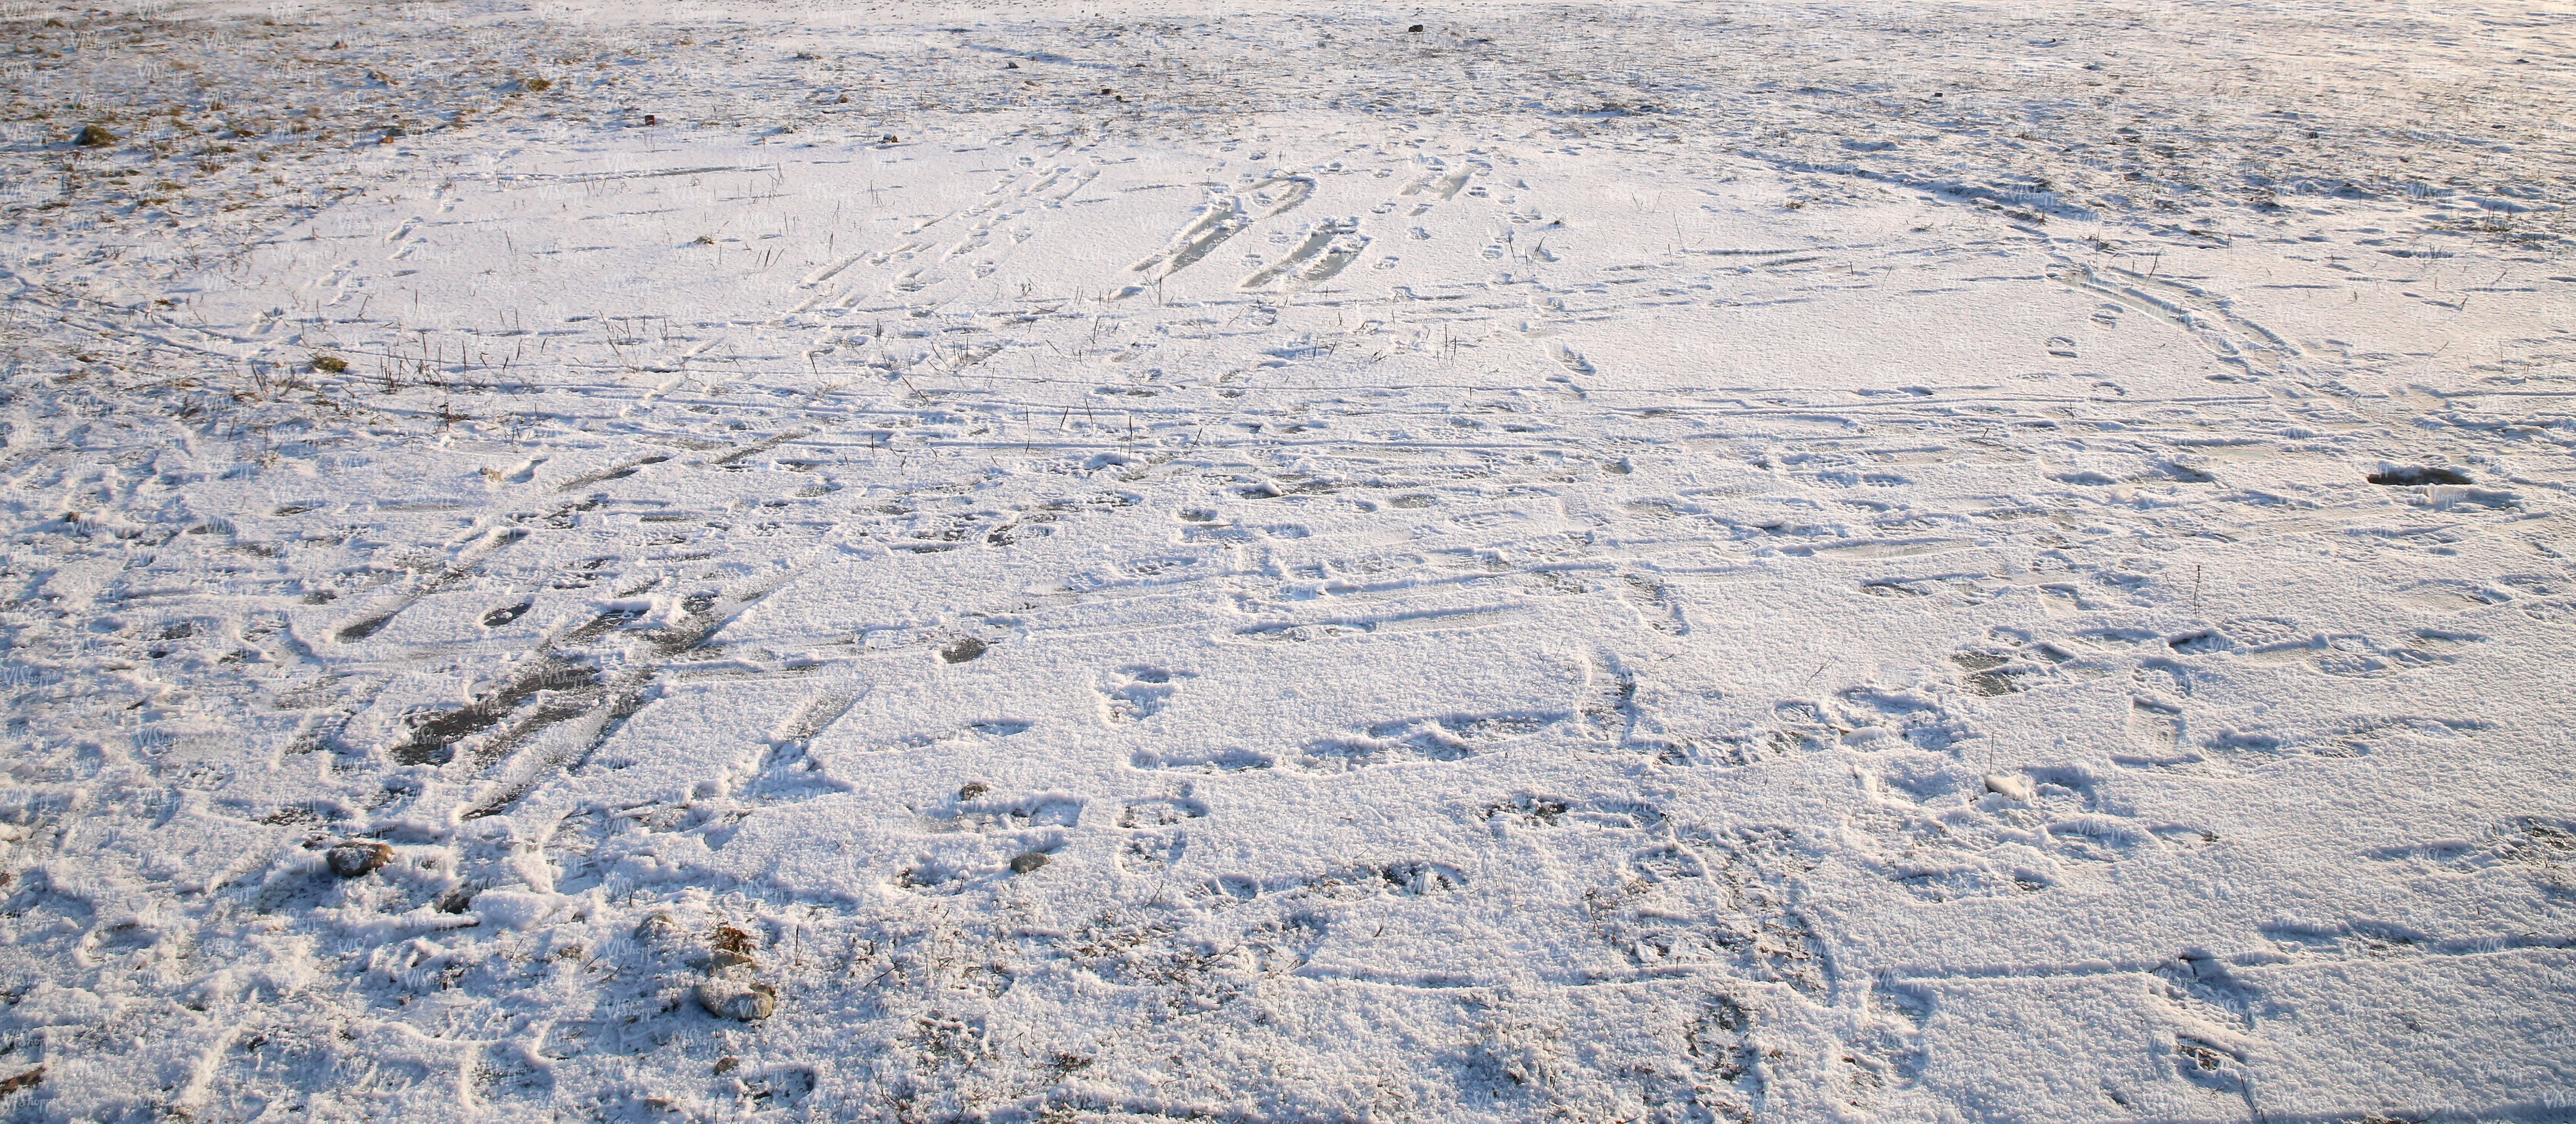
<point x="357" y="858"/>
<point x="751" y="1004"/>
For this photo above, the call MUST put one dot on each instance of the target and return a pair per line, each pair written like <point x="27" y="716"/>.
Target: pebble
<point x="753" y="1004"/>
<point x="352" y="860"/>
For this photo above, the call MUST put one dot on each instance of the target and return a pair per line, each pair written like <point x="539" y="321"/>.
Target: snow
<point x="1680" y="562"/>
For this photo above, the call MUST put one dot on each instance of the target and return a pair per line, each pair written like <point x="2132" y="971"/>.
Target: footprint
<point x="1412" y="878"/>
<point x="1329" y="247"/>
<point x="2203" y="989"/>
<point x="1716" y="899"/>
<point x="2011" y="665"/>
<point x="1946" y="833"/>
<point x="2359" y="657"/>
<point x="1611" y="713"/>
<point x="1290" y="192"/>
<point x="1884" y="1052"/>
<point x="2157" y="729"/>
<point x="1444" y="187"/>
<point x="2163" y="677"/>
<point x="1152" y="852"/>
<point x="1162" y="811"/>
<point x="1529" y="810"/>
<point x="1449" y="737"/>
<point x="1217" y="221"/>
<point x="2356" y="736"/>
<point x="829" y="270"/>
<point x="787" y="773"/>
<point x="2542" y="848"/>
<point x="507" y="613"/>
<point x="975" y="810"/>
<point x="816" y="716"/>
<point x="1134" y="694"/>
<point x="2450" y="596"/>
<point x="1720" y="1047"/>
<point x="1988" y="674"/>
<point x="1203" y="760"/>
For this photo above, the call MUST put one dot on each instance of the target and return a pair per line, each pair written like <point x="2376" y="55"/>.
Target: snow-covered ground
<point x="1811" y="561"/>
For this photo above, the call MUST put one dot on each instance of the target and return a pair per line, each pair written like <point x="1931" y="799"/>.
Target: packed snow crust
<point x="1659" y="562"/>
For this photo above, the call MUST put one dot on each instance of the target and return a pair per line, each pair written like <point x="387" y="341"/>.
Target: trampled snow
<point x="1675" y="562"/>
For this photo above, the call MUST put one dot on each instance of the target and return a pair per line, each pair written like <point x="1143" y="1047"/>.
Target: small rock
<point x="752" y="1004"/>
<point x="352" y="860"/>
<point x="2009" y="787"/>
<point x="1028" y="862"/>
<point x="2414" y="475"/>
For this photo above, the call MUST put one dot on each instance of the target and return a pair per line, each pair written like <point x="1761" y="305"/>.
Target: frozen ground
<point x="1719" y="562"/>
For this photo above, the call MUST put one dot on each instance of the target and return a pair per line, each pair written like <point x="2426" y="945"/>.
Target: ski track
<point x="1465" y="601"/>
